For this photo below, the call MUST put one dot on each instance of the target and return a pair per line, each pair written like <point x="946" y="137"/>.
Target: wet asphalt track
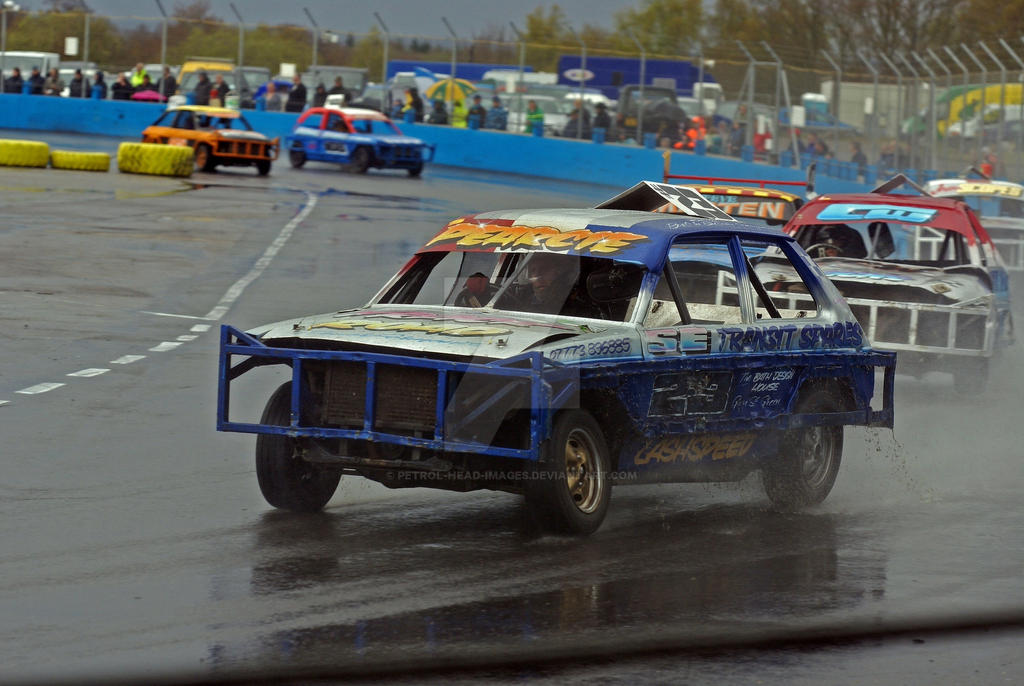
<point x="136" y="543"/>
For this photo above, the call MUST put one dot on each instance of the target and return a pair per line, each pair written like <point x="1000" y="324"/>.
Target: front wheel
<point x="415" y="171"/>
<point x="286" y="480"/>
<point x="204" y="158"/>
<point x="360" y="160"/>
<point x="572" y="489"/>
<point x="297" y="158"/>
<point x="806" y="466"/>
<point x="263" y="167"/>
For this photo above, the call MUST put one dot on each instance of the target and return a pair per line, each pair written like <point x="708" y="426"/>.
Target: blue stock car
<point x="554" y="353"/>
<point x="356" y="138"/>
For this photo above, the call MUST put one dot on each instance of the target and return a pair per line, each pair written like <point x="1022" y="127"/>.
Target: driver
<point x="555" y="287"/>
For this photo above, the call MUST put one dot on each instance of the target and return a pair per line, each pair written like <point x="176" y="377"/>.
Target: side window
<point x="707" y="282"/>
<point x="186" y="120"/>
<point x="779" y="289"/>
<point x="336" y="123"/>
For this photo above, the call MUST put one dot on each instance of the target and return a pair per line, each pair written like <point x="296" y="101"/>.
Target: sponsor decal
<point x="683" y="341"/>
<point x="606" y="348"/>
<point x="690" y="393"/>
<point x="697" y="447"/>
<point x="974" y="188"/>
<point x="689" y="201"/>
<point x="420" y="327"/>
<point x="772" y="338"/>
<point x="844" y="212"/>
<point x="541" y="238"/>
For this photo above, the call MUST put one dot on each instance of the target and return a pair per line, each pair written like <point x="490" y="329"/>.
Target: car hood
<point x="455" y="332"/>
<point x="957" y="285"/>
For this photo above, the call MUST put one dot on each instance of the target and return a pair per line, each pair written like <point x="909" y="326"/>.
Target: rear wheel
<point x="415" y="171"/>
<point x="806" y="466"/>
<point x="360" y="160"/>
<point x="286" y="480"/>
<point x="204" y="158"/>
<point x="297" y="158"/>
<point x="572" y="489"/>
<point x="263" y="167"/>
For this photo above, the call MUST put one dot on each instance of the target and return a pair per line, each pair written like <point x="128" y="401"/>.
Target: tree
<point x="546" y="37"/>
<point x="666" y="27"/>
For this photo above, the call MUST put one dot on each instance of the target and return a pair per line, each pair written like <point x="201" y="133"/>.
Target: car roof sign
<point x="648" y="196"/>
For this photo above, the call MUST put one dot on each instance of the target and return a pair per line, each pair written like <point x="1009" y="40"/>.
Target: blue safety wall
<point x="607" y="164"/>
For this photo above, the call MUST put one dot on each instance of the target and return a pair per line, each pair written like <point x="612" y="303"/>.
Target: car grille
<point x="241" y="148"/>
<point x="406" y="397"/>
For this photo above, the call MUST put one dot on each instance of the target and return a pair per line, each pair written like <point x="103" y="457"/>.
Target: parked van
<point x="25" y="60"/>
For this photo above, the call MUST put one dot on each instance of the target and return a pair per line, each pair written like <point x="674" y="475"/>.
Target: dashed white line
<point x="4" y="402"/>
<point x="200" y="328"/>
<point x="171" y="314"/>
<point x="185" y="338"/>
<point x="262" y="263"/>
<point x="165" y="346"/>
<point x="128" y="359"/>
<point x="39" y="388"/>
<point x="91" y="371"/>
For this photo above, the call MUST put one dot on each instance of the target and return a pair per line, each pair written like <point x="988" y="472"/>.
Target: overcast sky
<point x="411" y="17"/>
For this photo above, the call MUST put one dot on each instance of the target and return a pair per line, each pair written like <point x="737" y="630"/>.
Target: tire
<point x="572" y="489"/>
<point x="287" y="481"/>
<point x="415" y="171"/>
<point x="970" y="375"/>
<point x="82" y="161"/>
<point x="263" y="167"/>
<point x="805" y="469"/>
<point x="297" y="158"/>
<point x="18" y="153"/>
<point x="360" y="160"/>
<point x="151" y="158"/>
<point x="205" y="160"/>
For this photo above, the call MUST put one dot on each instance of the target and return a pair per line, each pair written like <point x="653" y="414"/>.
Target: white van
<point x="25" y="60"/>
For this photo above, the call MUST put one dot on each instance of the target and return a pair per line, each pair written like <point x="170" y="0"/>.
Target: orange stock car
<point x="219" y="136"/>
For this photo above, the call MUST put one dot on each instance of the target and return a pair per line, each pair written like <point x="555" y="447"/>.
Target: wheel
<point x="572" y="488"/>
<point x="287" y="481"/>
<point x="297" y="158"/>
<point x="970" y="375"/>
<point x="205" y="160"/>
<point x="806" y="466"/>
<point x="263" y="167"/>
<point x="415" y="171"/>
<point x="360" y="160"/>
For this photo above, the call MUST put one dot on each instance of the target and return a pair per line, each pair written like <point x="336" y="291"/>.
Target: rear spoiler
<point x="712" y="180"/>
<point x="648" y="196"/>
<point x="897" y="181"/>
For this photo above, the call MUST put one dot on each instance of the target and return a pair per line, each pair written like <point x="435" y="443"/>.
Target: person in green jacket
<point x="459" y="114"/>
<point x="534" y="116"/>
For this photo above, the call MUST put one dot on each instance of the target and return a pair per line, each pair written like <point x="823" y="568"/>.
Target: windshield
<point x="539" y="283"/>
<point x="379" y="127"/>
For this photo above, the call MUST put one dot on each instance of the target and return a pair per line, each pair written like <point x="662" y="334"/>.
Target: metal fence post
<point x="967" y="79"/>
<point x="778" y="87"/>
<point x="949" y="85"/>
<point x="451" y="87"/>
<point x="915" y="158"/>
<point x="643" y="77"/>
<point x="933" y="133"/>
<point x="984" y="88"/>
<point x="241" y="34"/>
<point x="835" y="99"/>
<point x="1020" y="63"/>
<point x="316" y="35"/>
<point x="385" y="101"/>
<point x="1002" y="94"/>
<point x="522" y="68"/>
<point x="751" y="81"/>
<point x="583" y="67"/>
<point x="874" y="104"/>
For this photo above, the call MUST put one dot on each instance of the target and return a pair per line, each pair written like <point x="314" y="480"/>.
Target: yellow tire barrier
<point x="15" y="153"/>
<point x="83" y="161"/>
<point x="151" y="158"/>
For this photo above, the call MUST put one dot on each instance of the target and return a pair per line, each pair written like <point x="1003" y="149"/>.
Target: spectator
<point x="414" y="101"/>
<point x="859" y="158"/>
<point x="477" y="113"/>
<point x="497" y="116"/>
<point x="459" y="114"/>
<point x="319" y="95"/>
<point x="274" y="101"/>
<point x="219" y="91"/>
<point x="438" y="115"/>
<point x="54" y="84"/>
<point x="99" y="86"/>
<point x="572" y="127"/>
<point x="121" y="90"/>
<point x="167" y="84"/>
<point x="988" y="163"/>
<point x="14" y="82"/>
<point x="76" y="87"/>
<point x="887" y="155"/>
<point x="36" y="82"/>
<point x="534" y="117"/>
<point x="135" y="78"/>
<point x="602" y="120"/>
<point x="738" y="133"/>
<point x="146" y="85"/>
<point x="201" y="93"/>
<point x="296" y="96"/>
<point x="339" y="89"/>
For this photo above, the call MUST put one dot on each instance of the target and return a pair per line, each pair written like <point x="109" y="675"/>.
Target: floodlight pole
<point x="241" y="34"/>
<point x="1002" y="93"/>
<point x="643" y="77"/>
<point x="752" y="73"/>
<point x="933" y="137"/>
<point x="387" y="43"/>
<point x="1020" y="63"/>
<point x="583" y="68"/>
<point x="984" y="88"/>
<point x="316" y="35"/>
<point x="963" y="67"/>
<point x="522" y="68"/>
<point x="163" y="41"/>
<point x="455" y="38"/>
<point x="874" y="103"/>
<point x="835" y="100"/>
<point x="917" y="85"/>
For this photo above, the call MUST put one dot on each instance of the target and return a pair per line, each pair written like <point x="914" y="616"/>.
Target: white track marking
<point x="164" y="346"/>
<point x="39" y="388"/>
<point x="4" y="402"/>
<point x="168" y="314"/>
<point x="128" y="359"/>
<point x="200" y="328"/>
<point x="262" y="263"/>
<point x="185" y="338"/>
<point x="91" y="371"/>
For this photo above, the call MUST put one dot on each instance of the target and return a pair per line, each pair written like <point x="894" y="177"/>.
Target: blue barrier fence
<point x="558" y="158"/>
